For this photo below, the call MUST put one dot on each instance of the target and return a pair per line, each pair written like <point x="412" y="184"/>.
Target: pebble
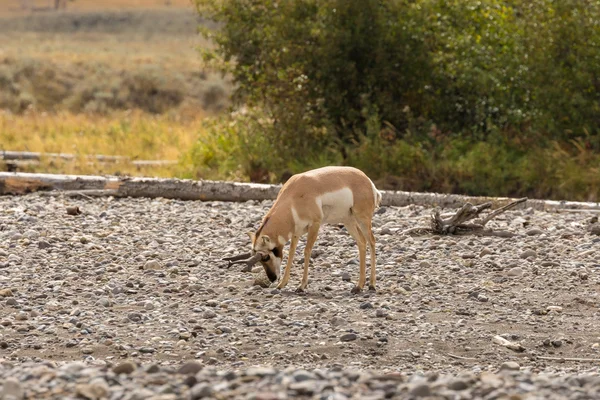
<point x="127" y="367"/>
<point x="96" y="390"/>
<point x="12" y="389"/>
<point x="528" y="253"/>
<point x="510" y="366"/>
<point x="516" y="271"/>
<point x="421" y="390"/>
<point x="349" y="337"/>
<point x="458" y="384"/>
<point x="73" y="297"/>
<point x="190" y="368"/>
<point x="201" y="391"/>
<point x="301" y="376"/>
<point x="534" y="232"/>
<point x="152" y="265"/>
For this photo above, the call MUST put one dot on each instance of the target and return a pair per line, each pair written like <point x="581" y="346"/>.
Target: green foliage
<point x="240" y="147"/>
<point x="479" y="96"/>
<point x="470" y="67"/>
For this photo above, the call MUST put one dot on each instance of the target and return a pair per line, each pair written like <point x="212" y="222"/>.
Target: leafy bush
<point x="483" y="97"/>
<point x="239" y="147"/>
<point x="470" y="67"/>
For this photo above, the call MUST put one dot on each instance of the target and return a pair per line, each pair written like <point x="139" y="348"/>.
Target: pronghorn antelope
<point x="329" y="195"/>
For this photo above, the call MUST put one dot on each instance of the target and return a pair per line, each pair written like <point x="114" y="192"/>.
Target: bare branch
<point x="500" y="210"/>
<point x="461" y="357"/>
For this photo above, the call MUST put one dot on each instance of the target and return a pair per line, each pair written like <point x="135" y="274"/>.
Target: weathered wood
<point x="456" y="224"/>
<point x="20" y="183"/>
<point x="18" y="157"/>
<point x="184" y="189"/>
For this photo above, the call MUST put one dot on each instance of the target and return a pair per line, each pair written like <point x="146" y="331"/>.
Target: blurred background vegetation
<point x="483" y="97"/>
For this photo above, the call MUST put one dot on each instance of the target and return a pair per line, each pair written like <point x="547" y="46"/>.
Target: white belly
<point x="336" y="205"/>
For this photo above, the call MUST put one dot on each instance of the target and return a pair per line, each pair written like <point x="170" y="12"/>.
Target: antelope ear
<point x="265" y="239"/>
<point x="251" y="235"/>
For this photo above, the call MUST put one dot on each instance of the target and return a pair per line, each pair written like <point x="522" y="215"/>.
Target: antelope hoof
<point x="371" y="287"/>
<point x="300" y="289"/>
<point x="356" y="290"/>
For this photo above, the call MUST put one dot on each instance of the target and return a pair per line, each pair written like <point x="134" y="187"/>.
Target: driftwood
<point x="508" y="344"/>
<point x="19" y="183"/>
<point x="21" y="159"/>
<point x="461" y="357"/>
<point x="456" y="224"/>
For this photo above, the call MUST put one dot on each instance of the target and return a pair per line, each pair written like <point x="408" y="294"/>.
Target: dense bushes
<point x="420" y="88"/>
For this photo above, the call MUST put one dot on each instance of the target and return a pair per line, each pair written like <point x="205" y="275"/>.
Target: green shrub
<point x="240" y="147"/>
<point x="482" y="97"/>
<point x="470" y="67"/>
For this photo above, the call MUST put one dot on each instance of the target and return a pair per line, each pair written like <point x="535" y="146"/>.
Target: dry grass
<point x="133" y="134"/>
<point x="78" y="82"/>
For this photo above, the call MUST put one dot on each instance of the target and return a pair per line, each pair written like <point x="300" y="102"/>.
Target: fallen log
<point x="185" y="189"/>
<point x="26" y="158"/>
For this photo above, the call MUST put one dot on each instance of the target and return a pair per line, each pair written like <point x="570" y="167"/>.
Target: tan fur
<point x="347" y="196"/>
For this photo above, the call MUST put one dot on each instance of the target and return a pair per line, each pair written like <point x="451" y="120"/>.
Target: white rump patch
<point x="336" y="205"/>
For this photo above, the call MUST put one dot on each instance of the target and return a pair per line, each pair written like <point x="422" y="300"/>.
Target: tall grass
<point x="137" y="135"/>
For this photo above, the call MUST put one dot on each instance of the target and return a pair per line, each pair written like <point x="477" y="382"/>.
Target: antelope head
<point x="271" y="251"/>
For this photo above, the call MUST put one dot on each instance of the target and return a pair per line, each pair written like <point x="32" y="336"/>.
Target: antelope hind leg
<point x="367" y="231"/>
<point x="355" y="232"/>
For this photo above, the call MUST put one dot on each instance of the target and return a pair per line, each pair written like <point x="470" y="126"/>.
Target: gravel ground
<point x="128" y="300"/>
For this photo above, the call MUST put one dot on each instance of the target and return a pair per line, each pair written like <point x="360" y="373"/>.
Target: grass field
<point x="136" y="135"/>
<point x="113" y="77"/>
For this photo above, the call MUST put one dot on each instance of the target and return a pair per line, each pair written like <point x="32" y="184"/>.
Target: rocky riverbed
<point x="118" y="300"/>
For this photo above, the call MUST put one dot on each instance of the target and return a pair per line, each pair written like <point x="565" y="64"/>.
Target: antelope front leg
<point x="290" y="260"/>
<point x="310" y="241"/>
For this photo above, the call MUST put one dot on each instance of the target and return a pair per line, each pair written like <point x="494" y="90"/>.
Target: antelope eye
<point x="276" y="252"/>
<point x="266" y="258"/>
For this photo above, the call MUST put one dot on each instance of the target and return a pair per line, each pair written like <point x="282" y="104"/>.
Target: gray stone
<point x="301" y="376"/>
<point x="458" y="384"/>
<point x="12" y="389"/>
<point x="534" y="232"/>
<point x="516" y="271"/>
<point x="190" y="368"/>
<point x="510" y="366"/>
<point x="348" y="337"/>
<point x="421" y="390"/>
<point x="201" y="390"/>
<point x="127" y="367"/>
<point x="152" y="265"/>
<point x="528" y="253"/>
